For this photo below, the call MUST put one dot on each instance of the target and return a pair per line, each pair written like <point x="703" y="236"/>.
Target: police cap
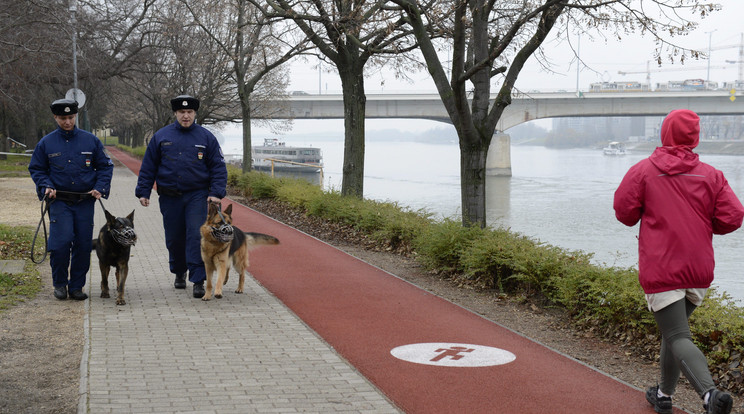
<point x="184" y="102"/>
<point x="64" y="107"/>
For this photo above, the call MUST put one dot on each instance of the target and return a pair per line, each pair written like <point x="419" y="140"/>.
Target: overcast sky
<point x="601" y="61"/>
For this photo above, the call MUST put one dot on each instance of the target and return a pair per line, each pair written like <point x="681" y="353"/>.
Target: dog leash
<point x="45" y="202"/>
<point x="125" y="239"/>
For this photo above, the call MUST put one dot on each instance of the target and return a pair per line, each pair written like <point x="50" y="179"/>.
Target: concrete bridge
<point x="524" y="107"/>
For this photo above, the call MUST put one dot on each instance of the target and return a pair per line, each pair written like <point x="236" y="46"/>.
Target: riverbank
<point x="704" y="147"/>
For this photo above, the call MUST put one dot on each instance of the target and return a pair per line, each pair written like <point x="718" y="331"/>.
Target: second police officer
<point x="186" y="162"/>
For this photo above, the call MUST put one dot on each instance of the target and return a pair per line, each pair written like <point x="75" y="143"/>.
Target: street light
<point x="73" y="10"/>
<point x="710" y="35"/>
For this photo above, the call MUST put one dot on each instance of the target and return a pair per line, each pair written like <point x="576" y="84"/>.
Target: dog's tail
<point x="93" y="246"/>
<point x="260" y="238"/>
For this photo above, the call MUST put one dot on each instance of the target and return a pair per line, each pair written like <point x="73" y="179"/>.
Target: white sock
<point x="660" y="394"/>
<point x="706" y="398"/>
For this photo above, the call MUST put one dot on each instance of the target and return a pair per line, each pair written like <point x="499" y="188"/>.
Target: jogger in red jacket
<point x="681" y="202"/>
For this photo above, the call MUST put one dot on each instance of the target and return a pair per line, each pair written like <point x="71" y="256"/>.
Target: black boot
<point x="198" y="290"/>
<point x="180" y="282"/>
<point x="60" y="292"/>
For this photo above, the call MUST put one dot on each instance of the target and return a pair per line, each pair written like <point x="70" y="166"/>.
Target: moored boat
<point x="285" y="158"/>
<point x="614" y="148"/>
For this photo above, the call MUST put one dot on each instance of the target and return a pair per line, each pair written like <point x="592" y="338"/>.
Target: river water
<point x="559" y="197"/>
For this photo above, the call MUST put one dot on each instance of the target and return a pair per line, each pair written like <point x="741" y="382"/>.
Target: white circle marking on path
<point x="448" y="354"/>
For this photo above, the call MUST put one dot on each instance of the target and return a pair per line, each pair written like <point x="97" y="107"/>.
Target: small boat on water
<point x="284" y="158"/>
<point x="614" y="148"/>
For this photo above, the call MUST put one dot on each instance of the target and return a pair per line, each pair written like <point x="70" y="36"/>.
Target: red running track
<point x="364" y="312"/>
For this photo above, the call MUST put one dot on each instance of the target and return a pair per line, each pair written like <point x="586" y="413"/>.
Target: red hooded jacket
<point x="681" y="202"/>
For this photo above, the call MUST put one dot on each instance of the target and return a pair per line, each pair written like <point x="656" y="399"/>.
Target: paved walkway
<point x="316" y="331"/>
<point x="166" y="352"/>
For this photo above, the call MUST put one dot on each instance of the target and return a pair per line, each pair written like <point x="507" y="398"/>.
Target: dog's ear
<point x="131" y="217"/>
<point x="228" y="210"/>
<point x="212" y="209"/>
<point x="110" y="219"/>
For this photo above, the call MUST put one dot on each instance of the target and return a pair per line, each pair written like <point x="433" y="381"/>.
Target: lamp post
<point x="73" y="10"/>
<point x="710" y="35"/>
<point x="578" y="64"/>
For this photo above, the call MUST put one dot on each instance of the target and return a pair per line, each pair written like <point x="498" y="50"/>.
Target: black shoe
<point x="78" y="295"/>
<point x="719" y="402"/>
<point x="198" y="290"/>
<point x="60" y="292"/>
<point x="662" y="405"/>
<point x="180" y="282"/>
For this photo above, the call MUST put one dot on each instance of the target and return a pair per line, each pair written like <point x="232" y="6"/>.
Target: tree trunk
<point x="247" y="156"/>
<point x="355" y="104"/>
<point x="473" y="182"/>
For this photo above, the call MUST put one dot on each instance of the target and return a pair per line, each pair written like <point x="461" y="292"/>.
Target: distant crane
<point x="678" y="69"/>
<point x="740" y="46"/>
<point x="741" y="59"/>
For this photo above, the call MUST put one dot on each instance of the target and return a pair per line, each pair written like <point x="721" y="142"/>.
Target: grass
<point x="15" y="243"/>
<point x="14" y="166"/>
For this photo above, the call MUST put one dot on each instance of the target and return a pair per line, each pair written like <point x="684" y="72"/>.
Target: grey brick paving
<point x="166" y="352"/>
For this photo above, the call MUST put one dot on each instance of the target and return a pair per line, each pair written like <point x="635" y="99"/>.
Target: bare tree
<point x="352" y="35"/>
<point x="491" y="41"/>
<point x="173" y="56"/>
<point x="256" y="47"/>
<point x="34" y="40"/>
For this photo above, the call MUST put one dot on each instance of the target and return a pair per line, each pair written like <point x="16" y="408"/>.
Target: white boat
<point x="284" y="158"/>
<point x="614" y="148"/>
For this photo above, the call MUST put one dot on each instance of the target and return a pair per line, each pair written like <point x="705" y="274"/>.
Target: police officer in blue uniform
<point x="186" y="162"/>
<point x="71" y="169"/>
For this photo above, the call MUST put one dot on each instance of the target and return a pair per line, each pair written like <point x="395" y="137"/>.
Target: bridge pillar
<point x="498" y="160"/>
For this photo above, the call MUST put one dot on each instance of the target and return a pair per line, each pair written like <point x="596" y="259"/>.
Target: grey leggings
<point x="679" y="352"/>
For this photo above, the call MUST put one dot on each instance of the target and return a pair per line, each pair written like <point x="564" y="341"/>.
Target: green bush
<point x="440" y="246"/>
<point x="258" y="185"/>
<point x="400" y="227"/>
<point x="298" y="193"/>
<point x="137" y="152"/>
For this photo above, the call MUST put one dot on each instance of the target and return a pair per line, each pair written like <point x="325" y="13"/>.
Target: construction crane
<point x="740" y="77"/>
<point x="740" y="46"/>
<point x="678" y="69"/>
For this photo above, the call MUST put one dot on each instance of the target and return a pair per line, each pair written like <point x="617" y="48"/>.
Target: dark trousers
<point x="70" y="242"/>
<point x="182" y="217"/>
<point x="678" y="352"/>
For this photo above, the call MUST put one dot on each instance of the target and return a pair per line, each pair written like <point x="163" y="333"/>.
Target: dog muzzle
<point x="223" y="233"/>
<point x="125" y="236"/>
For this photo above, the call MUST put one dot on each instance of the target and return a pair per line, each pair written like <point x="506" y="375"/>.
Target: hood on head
<point x="681" y="128"/>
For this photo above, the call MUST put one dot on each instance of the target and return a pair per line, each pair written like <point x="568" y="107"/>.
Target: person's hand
<point x="144" y="201"/>
<point x="95" y="194"/>
<point x="214" y="199"/>
<point x="50" y="193"/>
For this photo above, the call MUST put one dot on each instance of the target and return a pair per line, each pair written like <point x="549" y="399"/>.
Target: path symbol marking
<point x="452" y="352"/>
<point x="453" y="355"/>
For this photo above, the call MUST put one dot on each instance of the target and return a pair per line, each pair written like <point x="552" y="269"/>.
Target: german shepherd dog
<point x="112" y="247"/>
<point x="217" y="249"/>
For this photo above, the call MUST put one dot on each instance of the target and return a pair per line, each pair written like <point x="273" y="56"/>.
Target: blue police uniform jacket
<point x="183" y="159"/>
<point x="72" y="161"/>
